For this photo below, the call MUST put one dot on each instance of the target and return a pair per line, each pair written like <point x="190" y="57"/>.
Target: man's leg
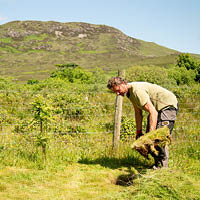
<point x="164" y="161"/>
<point x="156" y="158"/>
<point x="163" y="156"/>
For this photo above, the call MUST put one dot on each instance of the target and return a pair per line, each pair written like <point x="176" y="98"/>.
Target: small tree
<point x="42" y="114"/>
<point x="73" y="74"/>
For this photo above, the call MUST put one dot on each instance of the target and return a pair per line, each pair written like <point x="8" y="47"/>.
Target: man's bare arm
<point x="138" y="119"/>
<point x="153" y="115"/>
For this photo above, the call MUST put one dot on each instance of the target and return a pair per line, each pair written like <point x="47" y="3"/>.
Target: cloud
<point x="3" y="18"/>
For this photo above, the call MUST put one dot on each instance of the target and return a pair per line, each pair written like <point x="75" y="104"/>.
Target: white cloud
<point x="3" y="18"/>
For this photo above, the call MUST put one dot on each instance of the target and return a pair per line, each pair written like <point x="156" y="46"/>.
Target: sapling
<point x="42" y="114"/>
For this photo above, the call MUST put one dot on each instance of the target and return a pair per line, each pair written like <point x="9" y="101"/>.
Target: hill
<point x="30" y="49"/>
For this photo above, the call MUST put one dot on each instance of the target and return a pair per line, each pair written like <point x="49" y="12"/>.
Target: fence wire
<point x="93" y="112"/>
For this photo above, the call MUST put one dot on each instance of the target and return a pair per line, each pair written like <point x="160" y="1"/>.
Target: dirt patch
<point x="126" y="179"/>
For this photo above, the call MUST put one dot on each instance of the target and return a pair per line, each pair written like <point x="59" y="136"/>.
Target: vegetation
<point x="56" y="139"/>
<point x="72" y="73"/>
<point x="30" y="49"/>
<point x="187" y="62"/>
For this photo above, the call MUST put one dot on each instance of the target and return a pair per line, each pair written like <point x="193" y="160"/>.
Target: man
<point x="160" y="103"/>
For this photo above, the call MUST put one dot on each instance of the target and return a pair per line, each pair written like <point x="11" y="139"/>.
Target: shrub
<point x="42" y="112"/>
<point x="182" y="75"/>
<point x="128" y="128"/>
<point x="73" y="106"/>
<point x="75" y="129"/>
<point x="189" y="63"/>
<point x="4" y="83"/>
<point x="152" y="74"/>
<point x="73" y="74"/>
<point x="99" y="75"/>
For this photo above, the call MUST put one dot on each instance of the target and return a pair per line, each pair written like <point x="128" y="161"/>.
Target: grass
<point x="150" y="49"/>
<point x="77" y="181"/>
<point x="6" y="40"/>
<point x="92" y="52"/>
<point x="97" y="181"/>
<point x="9" y="49"/>
<point x="84" y="167"/>
<point x="36" y="37"/>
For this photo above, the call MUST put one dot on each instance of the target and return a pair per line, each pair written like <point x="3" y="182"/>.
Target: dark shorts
<point x="166" y="117"/>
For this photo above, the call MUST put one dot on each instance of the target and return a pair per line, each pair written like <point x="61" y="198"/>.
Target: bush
<point x="73" y="74"/>
<point x="4" y="83"/>
<point x="151" y="74"/>
<point x="182" y="75"/>
<point x="189" y="63"/>
<point x="128" y="128"/>
<point x="72" y="106"/>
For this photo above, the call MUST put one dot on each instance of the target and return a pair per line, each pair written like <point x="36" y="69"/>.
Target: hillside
<point x="30" y="49"/>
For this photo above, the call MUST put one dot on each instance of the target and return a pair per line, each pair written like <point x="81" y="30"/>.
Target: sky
<point x="171" y="23"/>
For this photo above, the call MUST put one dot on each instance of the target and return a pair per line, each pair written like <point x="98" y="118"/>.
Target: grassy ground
<point x="89" y="170"/>
<point x="83" y="181"/>
<point x="83" y="166"/>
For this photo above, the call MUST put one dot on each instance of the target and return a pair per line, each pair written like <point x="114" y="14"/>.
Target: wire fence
<point x="91" y="111"/>
<point x="17" y="118"/>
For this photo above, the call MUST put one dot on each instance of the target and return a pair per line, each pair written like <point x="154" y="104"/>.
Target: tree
<point x="190" y="63"/>
<point x="42" y="114"/>
<point x="73" y="73"/>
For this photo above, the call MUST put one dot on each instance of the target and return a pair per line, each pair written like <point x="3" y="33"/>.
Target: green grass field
<point x="83" y="166"/>
<point x="126" y="176"/>
<point x="56" y="139"/>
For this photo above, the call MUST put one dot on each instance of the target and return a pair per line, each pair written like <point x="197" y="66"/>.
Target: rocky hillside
<point x="30" y="49"/>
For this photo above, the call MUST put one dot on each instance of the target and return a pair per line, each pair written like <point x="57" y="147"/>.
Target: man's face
<point x="120" y="89"/>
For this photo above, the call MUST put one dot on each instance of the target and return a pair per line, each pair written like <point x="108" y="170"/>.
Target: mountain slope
<point x="30" y="49"/>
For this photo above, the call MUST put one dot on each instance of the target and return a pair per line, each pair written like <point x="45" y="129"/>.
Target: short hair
<point x="115" y="81"/>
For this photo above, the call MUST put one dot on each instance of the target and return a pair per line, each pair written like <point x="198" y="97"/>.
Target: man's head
<point x="118" y="85"/>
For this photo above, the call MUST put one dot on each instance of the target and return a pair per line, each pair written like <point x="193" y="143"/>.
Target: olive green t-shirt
<point x="141" y="92"/>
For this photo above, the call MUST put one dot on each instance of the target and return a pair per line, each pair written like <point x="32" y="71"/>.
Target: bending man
<point x="160" y="103"/>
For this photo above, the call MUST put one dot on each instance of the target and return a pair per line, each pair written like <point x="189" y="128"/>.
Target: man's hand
<point x="139" y="134"/>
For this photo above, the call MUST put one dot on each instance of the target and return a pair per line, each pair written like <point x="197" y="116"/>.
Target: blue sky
<point x="171" y="23"/>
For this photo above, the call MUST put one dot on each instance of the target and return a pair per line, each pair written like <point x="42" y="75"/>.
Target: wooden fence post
<point x="118" y="115"/>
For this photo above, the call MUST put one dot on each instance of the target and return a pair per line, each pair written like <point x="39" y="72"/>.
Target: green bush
<point x="152" y="74"/>
<point x="128" y="128"/>
<point x="98" y="75"/>
<point x="190" y="63"/>
<point x="76" y="129"/>
<point x="72" y="106"/>
<point x="182" y="75"/>
<point x="5" y="83"/>
<point x="73" y="74"/>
